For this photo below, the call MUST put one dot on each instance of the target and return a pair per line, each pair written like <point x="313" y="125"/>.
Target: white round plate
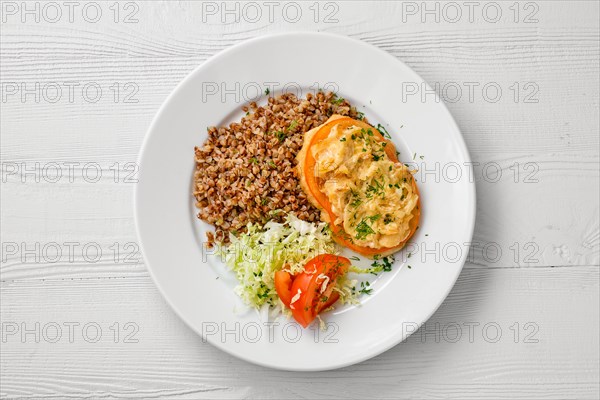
<point x="200" y="288"/>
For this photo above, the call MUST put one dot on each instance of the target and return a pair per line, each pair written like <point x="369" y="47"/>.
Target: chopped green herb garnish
<point x="385" y="265"/>
<point x="363" y="230"/>
<point x="375" y="188"/>
<point x="365" y="288"/>
<point x="267" y="91"/>
<point x="343" y="139"/>
<point x="279" y="135"/>
<point x="383" y="131"/>
<point x="356" y="201"/>
<point x="292" y="125"/>
<point x="337" y="100"/>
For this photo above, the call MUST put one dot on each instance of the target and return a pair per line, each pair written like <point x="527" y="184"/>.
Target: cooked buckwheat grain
<point x="246" y="172"/>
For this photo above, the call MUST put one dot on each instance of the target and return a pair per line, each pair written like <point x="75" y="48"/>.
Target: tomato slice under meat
<point x="339" y="234"/>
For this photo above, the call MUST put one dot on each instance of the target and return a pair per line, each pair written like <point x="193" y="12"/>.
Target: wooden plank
<point x="549" y="278"/>
<point x="550" y="56"/>
<point x="555" y="356"/>
<point x="513" y="229"/>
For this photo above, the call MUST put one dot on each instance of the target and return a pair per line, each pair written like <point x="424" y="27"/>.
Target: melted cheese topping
<point x="372" y="196"/>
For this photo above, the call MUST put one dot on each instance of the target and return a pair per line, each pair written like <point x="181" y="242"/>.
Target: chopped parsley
<point x="253" y="160"/>
<point x="343" y="139"/>
<point x="267" y="91"/>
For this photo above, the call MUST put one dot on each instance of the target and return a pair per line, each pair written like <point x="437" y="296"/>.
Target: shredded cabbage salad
<point x="256" y="255"/>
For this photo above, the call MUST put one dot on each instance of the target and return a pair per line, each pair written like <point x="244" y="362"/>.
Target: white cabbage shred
<point x="256" y="255"/>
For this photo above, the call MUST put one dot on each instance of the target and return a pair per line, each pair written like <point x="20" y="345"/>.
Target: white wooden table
<point x="81" y="82"/>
